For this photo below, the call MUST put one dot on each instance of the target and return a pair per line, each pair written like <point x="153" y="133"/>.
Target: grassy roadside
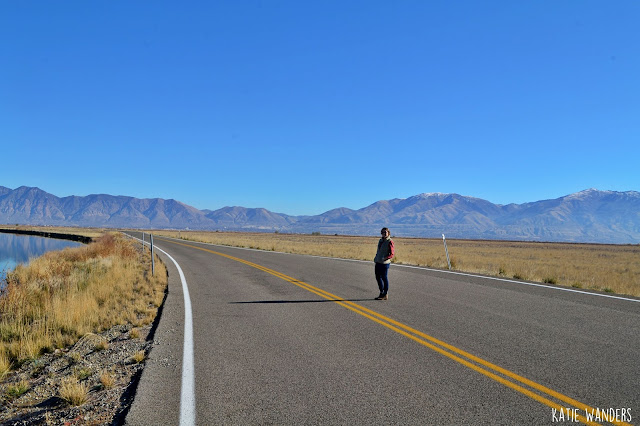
<point x="602" y="267"/>
<point x="63" y="295"/>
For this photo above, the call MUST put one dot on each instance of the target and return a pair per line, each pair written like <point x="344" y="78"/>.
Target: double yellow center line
<point x="512" y="380"/>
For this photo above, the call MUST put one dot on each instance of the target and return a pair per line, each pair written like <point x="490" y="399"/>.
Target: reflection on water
<point x="15" y="249"/>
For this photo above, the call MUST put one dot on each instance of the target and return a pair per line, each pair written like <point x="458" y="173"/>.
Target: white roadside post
<point x="446" y="251"/>
<point x="153" y="263"/>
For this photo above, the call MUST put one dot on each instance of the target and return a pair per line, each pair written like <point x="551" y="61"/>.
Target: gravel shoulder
<point x="115" y="354"/>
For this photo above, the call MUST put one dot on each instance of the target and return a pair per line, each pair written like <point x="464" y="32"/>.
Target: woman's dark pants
<point x="382" y="269"/>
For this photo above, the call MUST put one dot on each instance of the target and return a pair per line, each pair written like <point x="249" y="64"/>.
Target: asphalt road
<point x="290" y="339"/>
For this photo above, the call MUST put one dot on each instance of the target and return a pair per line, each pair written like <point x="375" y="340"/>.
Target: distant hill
<point x="33" y="206"/>
<point x="232" y="217"/>
<point x="586" y="216"/>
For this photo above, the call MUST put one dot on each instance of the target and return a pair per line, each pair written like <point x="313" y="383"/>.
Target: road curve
<point x="290" y="339"/>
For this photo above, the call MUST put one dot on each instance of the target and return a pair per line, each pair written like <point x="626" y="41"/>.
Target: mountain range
<point x="587" y="216"/>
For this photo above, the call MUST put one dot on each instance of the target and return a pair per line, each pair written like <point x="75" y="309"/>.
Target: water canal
<point x="16" y="249"/>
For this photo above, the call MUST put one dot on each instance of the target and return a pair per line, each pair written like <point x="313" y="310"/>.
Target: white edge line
<point x="425" y="269"/>
<point x="187" y="393"/>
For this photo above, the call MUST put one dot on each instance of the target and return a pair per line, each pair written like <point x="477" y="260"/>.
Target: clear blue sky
<point x="301" y="107"/>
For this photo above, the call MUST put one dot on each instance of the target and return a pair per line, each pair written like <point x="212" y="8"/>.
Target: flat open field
<point x="609" y="268"/>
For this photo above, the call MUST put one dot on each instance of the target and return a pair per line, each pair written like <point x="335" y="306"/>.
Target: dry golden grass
<point x="138" y="357"/>
<point x="73" y="392"/>
<point x="102" y="345"/>
<point x="63" y="295"/>
<point x="107" y="379"/>
<point x="5" y="365"/>
<point x="611" y="268"/>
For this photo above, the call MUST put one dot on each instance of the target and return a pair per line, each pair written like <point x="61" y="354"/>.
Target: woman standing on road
<point x="385" y="253"/>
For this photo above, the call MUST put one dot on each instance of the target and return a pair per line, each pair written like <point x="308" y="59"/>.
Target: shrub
<point x="37" y="368"/>
<point x="18" y="389"/>
<point x="82" y="373"/>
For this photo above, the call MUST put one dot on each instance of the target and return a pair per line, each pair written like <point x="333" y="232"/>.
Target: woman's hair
<point x="385" y="229"/>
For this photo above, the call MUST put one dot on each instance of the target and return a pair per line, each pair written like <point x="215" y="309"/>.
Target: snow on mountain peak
<point x="585" y="193"/>
<point x="591" y="192"/>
